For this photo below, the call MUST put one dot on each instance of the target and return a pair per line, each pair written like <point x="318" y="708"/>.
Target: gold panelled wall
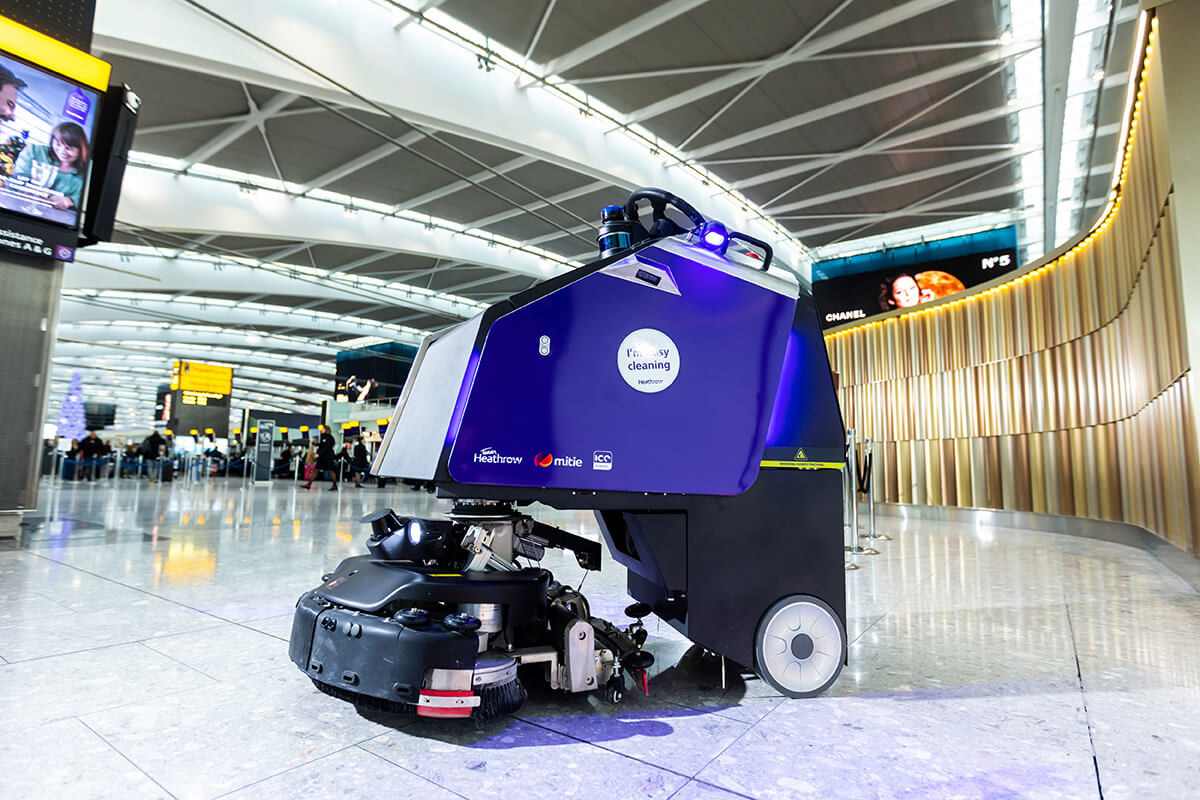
<point x="1064" y="390"/>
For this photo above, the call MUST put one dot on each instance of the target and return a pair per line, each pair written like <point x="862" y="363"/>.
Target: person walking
<point x="107" y="460"/>
<point x="360" y="461"/>
<point x="283" y="464"/>
<point x="72" y="463"/>
<point x="326" y="459"/>
<point x="91" y="450"/>
<point x="152" y="451"/>
<point x="310" y="463"/>
<point x="344" y="460"/>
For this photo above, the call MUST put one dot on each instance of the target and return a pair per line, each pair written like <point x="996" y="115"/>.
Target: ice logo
<point x="63" y="253"/>
<point x="602" y="460"/>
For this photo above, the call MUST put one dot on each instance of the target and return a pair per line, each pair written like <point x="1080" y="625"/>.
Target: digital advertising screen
<point x="861" y="286"/>
<point x="374" y="372"/>
<point x="163" y="400"/>
<point x="99" y="415"/>
<point x="46" y="130"/>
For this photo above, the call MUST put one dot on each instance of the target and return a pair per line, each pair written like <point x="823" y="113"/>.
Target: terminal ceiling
<point x="252" y="226"/>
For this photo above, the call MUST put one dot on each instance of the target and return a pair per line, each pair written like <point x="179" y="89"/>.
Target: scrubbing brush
<point x="498" y="699"/>
<point x="365" y="702"/>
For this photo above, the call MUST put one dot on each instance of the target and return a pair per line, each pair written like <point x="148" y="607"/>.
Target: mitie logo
<point x="488" y="455"/>
<point x="549" y="459"/>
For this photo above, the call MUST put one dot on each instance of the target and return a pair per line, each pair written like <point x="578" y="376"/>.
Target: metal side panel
<point x="423" y="414"/>
<point x="29" y="300"/>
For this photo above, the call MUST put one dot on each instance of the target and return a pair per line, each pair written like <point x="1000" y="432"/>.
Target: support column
<point x="29" y="298"/>
<point x="30" y="288"/>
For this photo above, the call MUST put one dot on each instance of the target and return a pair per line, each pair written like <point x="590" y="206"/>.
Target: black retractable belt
<point x="864" y="474"/>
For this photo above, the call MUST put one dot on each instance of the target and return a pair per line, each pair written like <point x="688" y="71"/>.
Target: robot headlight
<point x="421" y="541"/>
<point x="416" y="532"/>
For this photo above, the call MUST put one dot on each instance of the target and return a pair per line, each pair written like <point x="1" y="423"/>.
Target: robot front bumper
<point x="380" y="657"/>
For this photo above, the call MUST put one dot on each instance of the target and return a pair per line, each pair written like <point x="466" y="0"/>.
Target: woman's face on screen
<point x="65" y="153"/>
<point x="905" y="291"/>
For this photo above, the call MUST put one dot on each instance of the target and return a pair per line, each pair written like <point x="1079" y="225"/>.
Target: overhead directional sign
<point x="194" y="376"/>
<point x="199" y="397"/>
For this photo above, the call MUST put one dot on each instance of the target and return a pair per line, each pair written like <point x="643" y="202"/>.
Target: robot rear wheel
<point x="800" y="646"/>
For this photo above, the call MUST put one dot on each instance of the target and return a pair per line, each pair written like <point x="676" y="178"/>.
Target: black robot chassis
<point x="437" y="619"/>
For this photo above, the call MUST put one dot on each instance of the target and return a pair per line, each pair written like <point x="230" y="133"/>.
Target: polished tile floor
<point x="143" y="654"/>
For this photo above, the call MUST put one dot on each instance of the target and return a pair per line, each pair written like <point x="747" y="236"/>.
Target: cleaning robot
<point x="678" y="388"/>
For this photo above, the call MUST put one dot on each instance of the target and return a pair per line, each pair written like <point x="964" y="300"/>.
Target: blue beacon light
<point x="715" y="237"/>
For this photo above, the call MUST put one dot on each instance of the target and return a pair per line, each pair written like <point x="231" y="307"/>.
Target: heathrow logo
<point x="550" y="460"/>
<point x="488" y="455"/>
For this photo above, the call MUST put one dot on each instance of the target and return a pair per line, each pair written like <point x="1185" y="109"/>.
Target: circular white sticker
<point x="648" y="360"/>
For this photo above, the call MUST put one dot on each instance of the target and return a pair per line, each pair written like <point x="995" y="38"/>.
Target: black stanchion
<point x="867" y="486"/>
<point x="855" y="547"/>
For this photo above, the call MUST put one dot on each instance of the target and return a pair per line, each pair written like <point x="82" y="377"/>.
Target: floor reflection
<point x="152" y="619"/>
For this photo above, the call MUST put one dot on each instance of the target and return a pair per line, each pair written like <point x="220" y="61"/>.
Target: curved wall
<point x="1063" y="390"/>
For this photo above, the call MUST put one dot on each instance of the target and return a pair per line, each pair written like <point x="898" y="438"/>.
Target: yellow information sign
<point x="208" y="379"/>
<point x="54" y="55"/>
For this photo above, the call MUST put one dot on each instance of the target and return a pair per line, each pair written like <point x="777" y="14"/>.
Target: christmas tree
<point x="70" y="417"/>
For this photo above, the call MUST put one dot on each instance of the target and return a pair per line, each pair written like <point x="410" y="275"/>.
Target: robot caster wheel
<point x="638" y="610"/>
<point x="800" y="646"/>
<point x="638" y="660"/>
<point x="614" y="691"/>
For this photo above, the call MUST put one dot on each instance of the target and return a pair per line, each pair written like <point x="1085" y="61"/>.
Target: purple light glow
<point x="464" y="392"/>
<point x="714" y="238"/>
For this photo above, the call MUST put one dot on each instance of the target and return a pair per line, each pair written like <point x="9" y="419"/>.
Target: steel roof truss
<point x="239" y="129"/>
<point x="849" y="33"/>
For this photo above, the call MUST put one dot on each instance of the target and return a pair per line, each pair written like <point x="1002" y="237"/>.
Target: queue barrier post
<point x="847" y="529"/>
<point x="855" y="547"/>
<point x="869" y="488"/>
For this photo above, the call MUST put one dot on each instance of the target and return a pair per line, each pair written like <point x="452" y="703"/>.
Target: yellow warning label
<point x="802" y="464"/>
